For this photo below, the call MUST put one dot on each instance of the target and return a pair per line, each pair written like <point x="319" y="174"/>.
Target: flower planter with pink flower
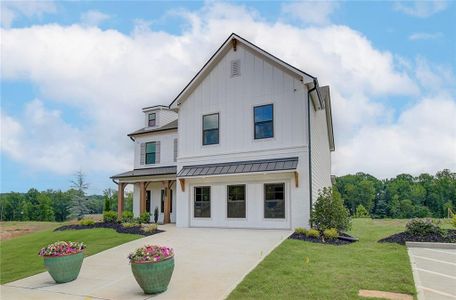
<point x="63" y="260"/>
<point x="152" y="267"/>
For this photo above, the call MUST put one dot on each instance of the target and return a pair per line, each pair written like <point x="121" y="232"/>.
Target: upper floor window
<point x="211" y="129"/>
<point x="152" y="119"/>
<point x="264" y="121"/>
<point x="151" y="150"/>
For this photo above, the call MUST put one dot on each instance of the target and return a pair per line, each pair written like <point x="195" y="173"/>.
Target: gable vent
<point x="235" y="68"/>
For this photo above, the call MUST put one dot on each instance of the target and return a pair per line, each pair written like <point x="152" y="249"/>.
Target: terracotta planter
<point x="153" y="277"/>
<point x="64" y="268"/>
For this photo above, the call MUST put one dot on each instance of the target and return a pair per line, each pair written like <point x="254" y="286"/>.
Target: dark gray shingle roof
<point x="171" y="125"/>
<point x="238" y="167"/>
<point x="157" y="171"/>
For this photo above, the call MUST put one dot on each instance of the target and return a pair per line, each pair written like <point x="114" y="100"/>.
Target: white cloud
<point x="421" y="9"/>
<point x="93" y="18"/>
<point x="310" y="12"/>
<point x="425" y="36"/>
<point x="11" y="10"/>
<point x="107" y="76"/>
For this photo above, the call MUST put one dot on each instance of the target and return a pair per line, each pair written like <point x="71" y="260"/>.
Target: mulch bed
<point x="449" y="236"/>
<point x="338" y="242"/>
<point x="116" y="226"/>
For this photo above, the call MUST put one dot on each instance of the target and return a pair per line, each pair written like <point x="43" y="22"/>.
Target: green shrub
<point x="329" y="211"/>
<point x="109" y="216"/>
<point x="453" y="220"/>
<point x="361" y="212"/>
<point x="422" y="227"/>
<point x="144" y="217"/>
<point x="300" y="230"/>
<point x="150" y="228"/>
<point x="313" y="233"/>
<point x="330" y="234"/>
<point x="86" y="222"/>
<point x="129" y="225"/>
<point x="127" y="216"/>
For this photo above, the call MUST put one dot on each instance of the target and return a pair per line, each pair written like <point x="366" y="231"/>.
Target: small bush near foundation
<point x="86" y="222"/>
<point x="300" y="230"/>
<point x="313" y="233"/>
<point x="110" y="216"/>
<point x="329" y="211"/>
<point x="150" y="228"/>
<point x="144" y="217"/>
<point x="127" y="217"/>
<point x="453" y="220"/>
<point x="422" y="227"/>
<point x="129" y="225"/>
<point x="330" y="234"/>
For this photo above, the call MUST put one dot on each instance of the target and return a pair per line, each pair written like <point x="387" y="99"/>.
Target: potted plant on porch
<point x="152" y="267"/>
<point x="63" y="260"/>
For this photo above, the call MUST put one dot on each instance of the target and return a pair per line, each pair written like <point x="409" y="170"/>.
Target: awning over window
<point x="157" y="171"/>
<point x="239" y="167"/>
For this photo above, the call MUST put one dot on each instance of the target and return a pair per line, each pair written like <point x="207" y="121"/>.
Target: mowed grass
<point x="19" y="256"/>
<point x="304" y="270"/>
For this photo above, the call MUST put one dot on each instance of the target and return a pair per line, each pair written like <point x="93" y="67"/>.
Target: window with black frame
<point x="211" y="129"/>
<point x="150" y="153"/>
<point x="162" y="201"/>
<point x="152" y="119"/>
<point x="202" y="202"/>
<point x="264" y="121"/>
<point x="236" y="201"/>
<point x="274" y="201"/>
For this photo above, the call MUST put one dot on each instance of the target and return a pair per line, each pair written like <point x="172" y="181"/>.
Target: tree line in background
<point x="52" y="205"/>
<point x="403" y="196"/>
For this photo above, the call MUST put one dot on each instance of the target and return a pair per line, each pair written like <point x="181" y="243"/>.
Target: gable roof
<point x="232" y="41"/>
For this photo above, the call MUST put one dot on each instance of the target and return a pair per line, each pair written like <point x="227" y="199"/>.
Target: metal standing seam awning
<point x="157" y="171"/>
<point x="240" y="167"/>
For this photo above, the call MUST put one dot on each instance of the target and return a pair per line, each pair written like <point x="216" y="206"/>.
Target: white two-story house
<point x="246" y="144"/>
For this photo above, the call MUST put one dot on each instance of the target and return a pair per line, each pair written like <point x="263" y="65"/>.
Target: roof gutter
<point x="315" y="89"/>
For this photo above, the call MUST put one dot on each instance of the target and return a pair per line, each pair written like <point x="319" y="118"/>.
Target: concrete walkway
<point x="209" y="265"/>
<point x="434" y="271"/>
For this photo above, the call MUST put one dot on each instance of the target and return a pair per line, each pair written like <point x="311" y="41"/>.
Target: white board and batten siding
<point x="165" y="145"/>
<point x="321" y="155"/>
<point x="260" y="82"/>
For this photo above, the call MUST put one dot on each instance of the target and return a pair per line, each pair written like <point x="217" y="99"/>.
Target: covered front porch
<point x="152" y="188"/>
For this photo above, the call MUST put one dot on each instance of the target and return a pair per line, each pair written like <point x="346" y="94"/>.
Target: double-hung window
<point x="236" y="201"/>
<point x="211" y="129"/>
<point x="151" y="149"/>
<point x="152" y="119"/>
<point x="274" y="201"/>
<point x="202" y="202"/>
<point x="264" y="121"/>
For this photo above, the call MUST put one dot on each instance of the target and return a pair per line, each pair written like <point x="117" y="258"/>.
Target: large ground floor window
<point x="202" y="202"/>
<point x="236" y="201"/>
<point x="274" y="201"/>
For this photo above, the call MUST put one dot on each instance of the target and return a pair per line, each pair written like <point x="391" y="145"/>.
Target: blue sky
<point x="75" y="75"/>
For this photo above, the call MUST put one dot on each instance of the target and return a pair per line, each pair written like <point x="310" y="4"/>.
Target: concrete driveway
<point x="209" y="265"/>
<point x="434" y="271"/>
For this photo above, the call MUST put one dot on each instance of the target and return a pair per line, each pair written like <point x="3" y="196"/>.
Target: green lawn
<point x="303" y="270"/>
<point x="19" y="256"/>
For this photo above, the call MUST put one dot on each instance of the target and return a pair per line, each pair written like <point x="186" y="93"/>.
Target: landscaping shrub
<point x="422" y="227"/>
<point x="330" y="234"/>
<point x="86" y="221"/>
<point x="300" y="230"/>
<point x="109" y="216"/>
<point x="453" y="220"/>
<point x="313" y="233"/>
<point x="127" y="217"/>
<point x="156" y="215"/>
<point x="129" y="224"/>
<point x="361" y="212"/>
<point x="144" y="217"/>
<point x="329" y="211"/>
<point x="150" y="228"/>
